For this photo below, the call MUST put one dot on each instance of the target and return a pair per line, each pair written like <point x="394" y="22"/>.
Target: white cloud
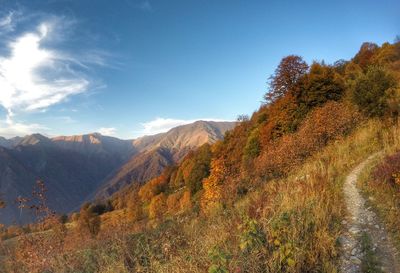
<point x="107" y="131"/>
<point x="25" y="83"/>
<point x="12" y="129"/>
<point x="161" y="125"/>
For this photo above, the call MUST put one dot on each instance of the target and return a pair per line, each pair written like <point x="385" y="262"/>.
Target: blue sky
<point x="134" y="67"/>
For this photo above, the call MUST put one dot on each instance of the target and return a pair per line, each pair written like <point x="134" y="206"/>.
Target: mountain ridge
<point x="77" y="168"/>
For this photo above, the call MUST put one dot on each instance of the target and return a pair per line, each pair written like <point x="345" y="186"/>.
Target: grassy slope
<point x="383" y="197"/>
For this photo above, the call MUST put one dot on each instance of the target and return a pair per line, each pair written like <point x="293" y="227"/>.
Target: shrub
<point x="389" y="170"/>
<point x="157" y="206"/>
<point x="88" y="221"/>
<point x="219" y="259"/>
<point x="371" y="91"/>
<point x="252" y="236"/>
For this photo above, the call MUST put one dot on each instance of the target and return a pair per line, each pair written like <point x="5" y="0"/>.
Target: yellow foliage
<point x="186" y="202"/>
<point x="157" y="206"/>
<point x="173" y="205"/>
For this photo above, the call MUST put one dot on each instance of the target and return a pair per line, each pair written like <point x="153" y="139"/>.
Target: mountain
<point x="97" y="145"/>
<point x="186" y="136"/>
<point x="69" y="175"/>
<point x="9" y="143"/>
<point x="76" y="168"/>
<point x="158" y="151"/>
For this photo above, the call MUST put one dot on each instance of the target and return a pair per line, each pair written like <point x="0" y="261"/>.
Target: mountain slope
<point x="159" y="151"/>
<point x="95" y="144"/>
<point x="69" y="176"/>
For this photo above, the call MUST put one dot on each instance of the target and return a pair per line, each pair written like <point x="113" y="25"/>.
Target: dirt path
<point x="363" y="221"/>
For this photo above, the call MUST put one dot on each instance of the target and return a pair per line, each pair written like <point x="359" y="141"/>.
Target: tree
<point x="365" y="54"/>
<point x="371" y="91"/>
<point x="253" y="146"/>
<point x="322" y="84"/>
<point x="158" y="206"/>
<point x="287" y="74"/>
<point x="152" y="188"/>
<point x="88" y="221"/>
<point x="200" y="169"/>
<point x="135" y="210"/>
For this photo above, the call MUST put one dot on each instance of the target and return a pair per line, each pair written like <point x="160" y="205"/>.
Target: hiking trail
<point x="361" y="220"/>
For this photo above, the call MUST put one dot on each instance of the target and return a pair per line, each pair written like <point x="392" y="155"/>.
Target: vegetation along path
<point x="367" y="246"/>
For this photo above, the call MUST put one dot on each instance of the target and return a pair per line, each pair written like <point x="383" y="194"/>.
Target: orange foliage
<point x="173" y="202"/>
<point x="157" y="206"/>
<point x="186" y="202"/>
<point x="325" y="124"/>
<point x="212" y="185"/>
<point x="152" y="188"/>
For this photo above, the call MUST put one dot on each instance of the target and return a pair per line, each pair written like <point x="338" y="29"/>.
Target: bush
<point x="157" y="206"/>
<point x="389" y="170"/>
<point x="371" y="91"/>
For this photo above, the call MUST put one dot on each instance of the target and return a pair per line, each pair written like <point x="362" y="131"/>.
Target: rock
<point x="354" y="251"/>
<point x="344" y="222"/>
<point x="354" y="230"/>
<point x="355" y="260"/>
<point x="377" y="226"/>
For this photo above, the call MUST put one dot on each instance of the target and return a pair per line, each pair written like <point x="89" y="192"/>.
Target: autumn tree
<point x="185" y="201"/>
<point x="134" y="207"/>
<point x="287" y="74"/>
<point x="364" y="56"/>
<point x="153" y="188"/>
<point x="213" y="187"/>
<point x="200" y="170"/>
<point x="322" y="84"/>
<point x="157" y="206"/>
<point x="88" y="222"/>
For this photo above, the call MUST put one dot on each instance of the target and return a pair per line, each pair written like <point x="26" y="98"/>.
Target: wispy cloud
<point x="24" y="86"/>
<point x="144" y="5"/>
<point x="161" y="125"/>
<point x="11" y="129"/>
<point x="7" y="21"/>
<point x="107" y="131"/>
<point x="36" y="74"/>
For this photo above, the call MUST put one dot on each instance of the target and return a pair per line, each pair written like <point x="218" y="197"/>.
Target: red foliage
<point x="389" y="170"/>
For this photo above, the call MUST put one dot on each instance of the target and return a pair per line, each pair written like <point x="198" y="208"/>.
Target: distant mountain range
<point x="79" y="168"/>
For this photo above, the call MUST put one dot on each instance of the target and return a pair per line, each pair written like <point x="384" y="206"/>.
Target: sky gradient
<point x="133" y="67"/>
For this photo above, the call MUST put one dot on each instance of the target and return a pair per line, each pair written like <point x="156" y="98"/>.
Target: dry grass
<point x="383" y="195"/>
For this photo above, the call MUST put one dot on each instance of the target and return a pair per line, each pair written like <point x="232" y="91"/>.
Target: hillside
<point x="272" y="196"/>
<point x="74" y="168"/>
<point x="157" y="152"/>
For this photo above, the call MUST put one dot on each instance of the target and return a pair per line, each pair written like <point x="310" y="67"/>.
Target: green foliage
<point x="219" y="259"/>
<point x="322" y="84"/>
<point x="371" y="91"/>
<point x="252" y="237"/>
<point x="200" y="169"/>
<point x="253" y="145"/>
